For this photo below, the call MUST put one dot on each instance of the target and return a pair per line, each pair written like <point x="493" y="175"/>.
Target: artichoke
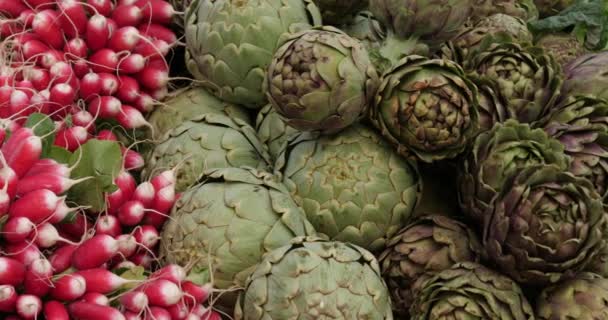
<point x="206" y="142"/>
<point x="492" y="105"/>
<point x="367" y="29"/>
<point x="230" y="43"/>
<point x="272" y="131"/>
<point x="470" y="291"/>
<point x="562" y="46"/>
<point x="352" y="185"/>
<point x="600" y="264"/>
<point x="527" y="77"/>
<point x="189" y="104"/>
<point x="427" y="107"/>
<point x="522" y="9"/>
<point x="336" y="12"/>
<point x="228" y="222"/>
<point x="315" y="279"/>
<point x="587" y="75"/>
<point x="545" y="225"/>
<point x="321" y="79"/>
<point x="498" y="154"/>
<point x="552" y="7"/>
<point x="429" y="245"/>
<point x="581" y="298"/>
<point x="581" y="124"/>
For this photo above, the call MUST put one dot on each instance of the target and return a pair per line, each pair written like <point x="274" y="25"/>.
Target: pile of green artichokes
<point x="391" y="159"/>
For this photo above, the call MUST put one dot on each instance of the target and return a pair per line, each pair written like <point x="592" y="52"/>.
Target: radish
<point x="26" y="86"/>
<point x="28" y="306"/>
<point x="12" y="271"/>
<point x="112" y="26"/>
<point x="157" y="31"/>
<point x="131" y="118"/>
<point x="98" y="32"/>
<point x="40" y="102"/>
<point x="16" y="138"/>
<point x="127" y="15"/>
<point x="105" y="107"/>
<point x="94" y="252"/>
<point x="124" y="39"/>
<point x="157" y="11"/>
<point x="109" y="84"/>
<point x="128" y="89"/>
<point x="44" y="25"/>
<point x="40" y="78"/>
<point x="171" y="272"/>
<point x="126" y="183"/>
<point x="131" y="315"/>
<point x="39" y="4"/>
<point x="8" y="298"/>
<point x="131" y="213"/>
<point x="76" y="47"/>
<point x="48" y="166"/>
<point x="17" y="229"/>
<point x="69" y="287"/>
<point x="114" y="200"/>
<point x="144" y="103"/>
<point x="23" y="157"/>
<point x="153" y="78"/>
<point x="12" y="7"/>
<point x="90" y="85"/>
<point x="146" y="235"/>
<point x="108" y="224"/>
<point x="89" y="311"/>
<point x="101" y="280"/>
<point x="55" y="310"/>
<point x="62" y="94"/>
<point x="33" y="49"/>
<point x="163" y="180"/>
<point x="134" y="301"/>
<point x="48" y="236"/>
<point x="161" y="292"/>
<point x="55" y="183"/>
<point x="73" y="18"/>
<point x="144" y="259"/>
<point x="163" y="202"/>
<point x="127" y="245"/>
<point x="61" y="259"/>
<point x="50" y="58"/>
<point x="103" y="7"/>
<point x="195" y="294"/>
<point x="61" y="213"/>
<point x="124" y="265"/>
<point x="19" y="102"/>
<point x="158" y="63"/>
<point x="76" y="228"/>
<point x="132" y="63"/>
<point x="37" y="205"/>
<point x="178" y="311"/>
<point x="84" y="119"/>
<point x="133" y="160"/>
<point x="155" y="49"/>
<point x="38" y="277"/>
<point x="159" y="94"/>
<point x="144" y="193"/>
<point x="62" y="72"/>
<point x="192" y="316"/>
<point x="23" y="252"/>
<point x="80" y="67"/>
<point x="104" y="60"/>
<point x="96" y="298"/>
<point x="106" y="135"/>
<point x="156" y="313"/>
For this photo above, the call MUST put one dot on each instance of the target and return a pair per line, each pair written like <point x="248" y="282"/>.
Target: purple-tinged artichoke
<point x="564" y="47"/>
<point x="498" y="154"/>
<point x="582" y="298"/>
<point x="587" y="75"/>
<point x="492" y="105"/>
<point x="548" y="8"/>
<point x="544" y="226"/>
<point x="522" y="9"/>
<point x="600" y="264"/>
<point x="429" y="245"/>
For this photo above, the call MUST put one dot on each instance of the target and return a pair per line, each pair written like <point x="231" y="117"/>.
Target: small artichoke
<point x="206" y="142"/>
<point x="336" y="12"/>
<point x="497" y="155"/>
<point x="545" y="225"/>
<point x="426" y="107"/>
<point x="587" y="75"/>
<point x="580" y="123"/>
<point x="321" y="79"/>
<point x="427" y="246"/>
<point x="522" y="9"/>
<point x="527" y="77"/>
<point x="315" y="279"/>
<point x="470" y="291"/>
<point x="272" y="131"/>
<point x="564" y="47"/>
<point x="581" y="298"/>
<point x="228" y="222"/>
<point x="230" y="43"/>
<point x="352" y="185"/>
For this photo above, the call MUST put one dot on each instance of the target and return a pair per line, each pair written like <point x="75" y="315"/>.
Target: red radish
<point x="131" y="118"/>
<point x="171" y="272"/>
<point x="98" y="32"/>
<point x="109" y="84"/>
<point x="153" y="78"/>
<point x="23" y="157"/>
<point x="128" y="89"/>
<point x="28" y="306"/>
<point x="16" y="138"/>
<point x="33" y="48"/>
<point x="144" y="103"/>
<point x="23" y="252"/>
<point x="76" y="228"/>
<point x="90" y="85"/>
<point x="126" y="183"/>
<point x="62" y="94"/>
<point x="38" y="277"/>
<point x="155" y="49"/>
<point x="164" y="179"/>
<point x="125" y="265"/>
<point x="55" y="310"/>
<point x="26" y="86"/>
<point x="127" y="245"/>
<point x="61" y="259"/>
<point x="135" y="301"/>
<point x="126" y="2"/>
<point x="12" y="271"/>
<point x="71" y="138"/>
<point x="62" y="72"/>
<point x="124" y="39"/>
<point x="50" y="58"/>
<point x="178" y="311"/>
<point x="17" y="229"/>
<point x="106" y="135"/>
<point x="101" y="280"/>
<point x="40" y="78"/>
<point x="161" y="292"/>
<point x="158" y="63"/>
<point x="131" y="213"/>
<point x="160" y="94"/>
<point x="83" y="118"/>
<point x="49" y="166"/>
<point x="132" y="63"/>
<point x="105" y="107"/>
<point x="114" y="200"/>
<point x="146" y="236"/>
<point x="8" y="298"/>
<point x="108" y="224"/>
<point x="112" y="26"/>
<point x="76" y="47"/>
<point x="163" y="202"/>
<point x="195" y="294"/>
<point x="96" y="298"/>
<point x="156" y="313"/>
<point x="19" y="102"/>
<point x="144" y="259"/>
<point x="127" y="15"/>
<point x="48" y="236"/>
<point x="157" y="11"/>
<point x="39" y="4"/>
<point x="44" y="25"/>
<point x="145" y="194"/>
<point x="104" y="60"/>
<point x="133" y="160"/>
<point x="61" y="213"/>
<point x="69" y="287"/>
<point x="5" y="201"/>
<point x="103" y="7"/>
<point x="81" y="67"/>
<point x="73" y="17"/>
<point x="37" y="205"/>
<point x="192" y="316"/>
<point x="131" y="315"/>
<point x="40" y="102"/>
<point x="157" y="31"/>
<point x="12" y="7"/>
<point x="55" y="183"/>
<point x="90" y="311"/>
<point x="94" y="252"/>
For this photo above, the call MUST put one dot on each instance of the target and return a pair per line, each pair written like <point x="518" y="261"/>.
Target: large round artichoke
<point x="580" y="123"/>
<point x="315" y="279"/>
<point x="209" y="141"/>
<point x="230" y="43"/>
<point x="426" y="107"/>
<point x="544" y="225"/>
<point x="527" y="77"/>
<point x="427" y="246"/>
<point x="321" y="79"/>
<point x="336" y="12"/>
<point x="470" y="291"/>
<point x="522" y="9"/>
<point x="564" y="47"/>
<point x="228" y="222"/>
<point x="189" y="104"/>
<point x="497" y="155"/>
<point x="587" y="75"/>
<point x="352" y="185"/>
<point x="581" y="298"/>
<point x="272" y="130"/>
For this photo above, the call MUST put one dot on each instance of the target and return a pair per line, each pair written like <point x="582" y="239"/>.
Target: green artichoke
<point x="312" y="279"/>
<point x="367" y="29"/>
<point x="272" y="131"/>
<point x="522" y="9"/>
<point x="545" y="225"/>
<point x="352" y="185"/>
<point x="230" y="43"/>
<point x="580" y="123"/>
<point x="336" y="12"/>
<point x="429" y="245"/>
<point x="600" y="264"/>
<point x="228" y="222"/>
<point x="321" y="79"/>
<point x="527" y="77"/>
<point x="189" y="104"/>
<point x="432" y="21"/>
<point x="427" y="107"/>
<point x="492" y="105"/>
<point x="206" y="142"/>
<point x="587" y="75"/>
<point x="470" y="291"/>
<point x="581" y="298"/>
<point x="564" y="47"/>
<point x="497" y="155"/>
<point x="552" y="7"/>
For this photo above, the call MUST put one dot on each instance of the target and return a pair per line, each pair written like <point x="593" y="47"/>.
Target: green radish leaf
<point x="43" y="127"/>
<point x="135" y="273"/>
<point x="199" y="276"/>
<point x="59" y="154"/>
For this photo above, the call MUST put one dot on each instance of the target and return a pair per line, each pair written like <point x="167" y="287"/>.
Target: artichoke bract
<point x="583" y="297"/>
<point x="492" y="104"/>
<point x="522" y="9"/>
<point x="228" y="222"/>
<point x="321" y="79"/>
<point x="587" y="75"/>
<point x="189" y="104"/>
<point x="580" y="124"/>
<point x="552" y="7"/>
<point x="545" y="225"/>
<point x="426" y="107"/>
<point x="367" y="29"/>
<point x="230" y="43"/>
<point x="429" y="245"/>
<point x="273" y="131"/>
<point x="564" y="47"/>
<point x="206" y="142"/>
<point x="339" y="11"/>
<point x="352" y="185"/>
<point x="315" y="279"/>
